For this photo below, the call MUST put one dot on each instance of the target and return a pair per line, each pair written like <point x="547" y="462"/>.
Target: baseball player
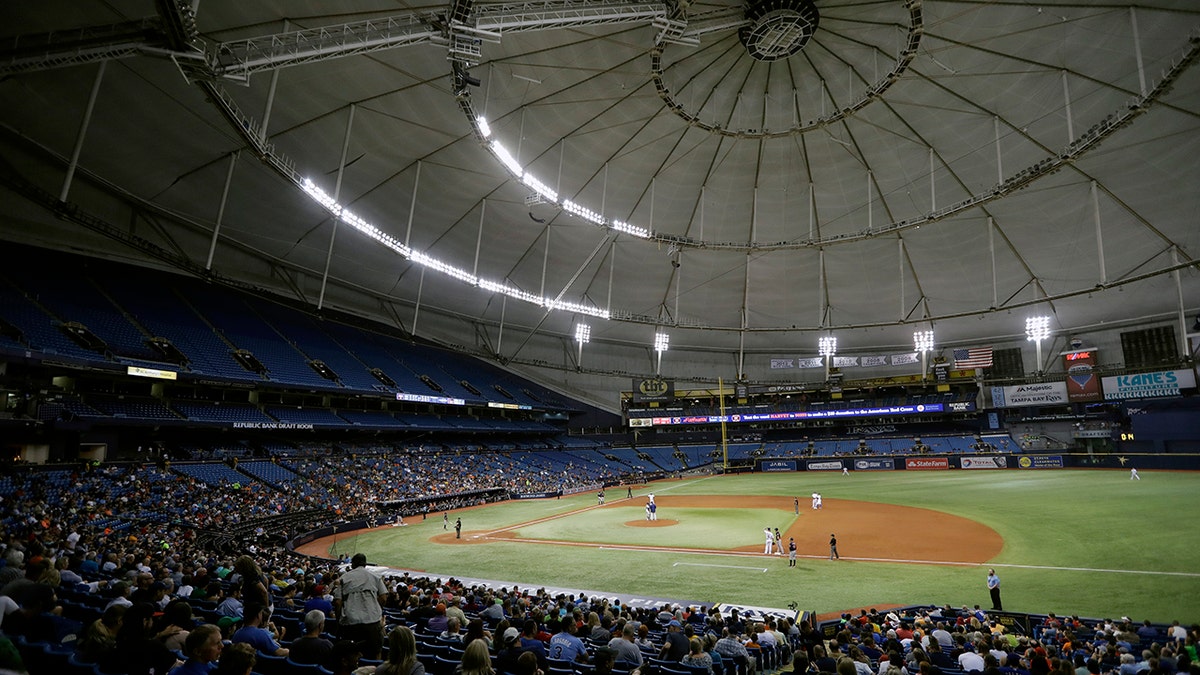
<point x="770" y="540"/>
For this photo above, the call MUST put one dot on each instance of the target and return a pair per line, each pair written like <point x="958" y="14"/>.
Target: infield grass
<point x="1090" y="542"/>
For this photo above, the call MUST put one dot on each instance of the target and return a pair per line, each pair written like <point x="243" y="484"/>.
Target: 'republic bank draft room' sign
<point x="1158" y="384"/>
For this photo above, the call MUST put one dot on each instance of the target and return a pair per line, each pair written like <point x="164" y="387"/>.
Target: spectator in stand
<point x="203" y="648"/>
<point x="476" y="631"/>
<point x="893" y="664"/>
<point x="970" y="659"/>
<point x="454" y="610"/>
<point x="402" y="654"/>
<point x="238" y="659"/>
<point x="311" y="648"/>
<point x="476" y="660"/>
<point x="1131" y="666"/>
<point x="1147" y="632"/>
<point x="675" y="645"/>
<point x="358" y="597"/>
<point x="862" y="665"/>
<point x="344" y="658"/>
<point x="822" y="661"/>
<point x="136" y="652"/>
<point x="643" y="639"/>
<point x="252" y="582"/>
<point x="710" y="648"/>
<point x="564" y="646"/>
<point x="100" y="636"/>
<point x="177" y="623"/>
<point x="439" y="621"/>
<point x="532" y="643"/>
<point x="453" y="633"/>
<point x="258" y="632"/>
<point x="494" y="612"/>
<point x="696" y="657"/>
<point x="510" y="650"/>
<point x="232" y="604"/>
<point x="624" y="646"/>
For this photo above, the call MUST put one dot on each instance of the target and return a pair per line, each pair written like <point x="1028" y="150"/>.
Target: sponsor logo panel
<point x="778" y="465"/>
<point x="1148" y="385"/>
<point x="926" y="463"/>
<point x="874" y="464"/>
<point x="818" y="465"/>
<point x="984" y="462"/>
<point x="1040" y="462"/>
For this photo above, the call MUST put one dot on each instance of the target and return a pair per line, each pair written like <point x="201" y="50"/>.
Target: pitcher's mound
<point x="662" y="522"/>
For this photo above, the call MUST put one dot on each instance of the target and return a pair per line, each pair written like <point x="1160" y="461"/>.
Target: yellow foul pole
<point x="724" y="439"/>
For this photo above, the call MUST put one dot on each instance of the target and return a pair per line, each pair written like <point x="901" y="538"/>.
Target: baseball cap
<point x="227" y="621"/>
<point x="511" y="634"/>
<point x="674" y="624"/>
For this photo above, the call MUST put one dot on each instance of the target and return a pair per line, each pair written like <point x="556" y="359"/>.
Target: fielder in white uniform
<point x="770" y="540"/>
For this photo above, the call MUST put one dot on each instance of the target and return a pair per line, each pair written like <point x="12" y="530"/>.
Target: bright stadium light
<point x="661" y="341"/>
<point x="583" y="335"/>
<point x="827" y="347"/>
<point x="1037" y="328"/>
<point x="484" y="128"/>
<point x="923" y="342"/>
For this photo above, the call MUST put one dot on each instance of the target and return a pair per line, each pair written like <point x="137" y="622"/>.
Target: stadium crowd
<point x="109" y="569"/>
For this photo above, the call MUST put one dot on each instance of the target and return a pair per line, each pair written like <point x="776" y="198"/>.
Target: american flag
<point x="976" y="357"/>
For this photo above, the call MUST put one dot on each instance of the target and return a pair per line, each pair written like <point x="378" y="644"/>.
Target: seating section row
<point x="68" y="308"/>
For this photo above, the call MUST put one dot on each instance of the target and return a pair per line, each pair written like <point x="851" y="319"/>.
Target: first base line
<point x="732" y="567"/>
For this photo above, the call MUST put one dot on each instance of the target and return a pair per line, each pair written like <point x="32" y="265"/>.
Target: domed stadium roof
<point x="743" y="177"/>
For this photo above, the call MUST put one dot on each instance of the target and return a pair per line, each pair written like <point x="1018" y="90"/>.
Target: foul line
<point x="732" y="567"/>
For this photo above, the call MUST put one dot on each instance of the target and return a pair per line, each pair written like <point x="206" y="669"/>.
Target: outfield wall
<point x="1023" y="461"/>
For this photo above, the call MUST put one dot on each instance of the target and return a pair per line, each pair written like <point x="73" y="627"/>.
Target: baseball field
<point x="1087" y="542"/>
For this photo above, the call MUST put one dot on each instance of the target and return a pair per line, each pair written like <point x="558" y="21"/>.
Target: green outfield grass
<point x="1090" y="542"/>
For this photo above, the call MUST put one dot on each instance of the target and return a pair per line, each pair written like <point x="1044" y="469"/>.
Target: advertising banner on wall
<point x="926" y="463"/>
<point x="983" y="462"/>
<point x="777" y="465"/>
<point x="824" y="465"/>
<point x="1083" y="385"/>
<point x="653" y="389"/>
<point x="1042" y="393"/>
<point x="1040" y="462"/>
<point x="874" y="464"/>
<point x="1159" y="384"/>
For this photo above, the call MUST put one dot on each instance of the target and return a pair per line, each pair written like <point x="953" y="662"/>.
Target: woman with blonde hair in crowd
<point x="402" y="654"/>
<point x="476" y="660"/>
<point x="696" y="657"/>
<point x="254" y="582"/>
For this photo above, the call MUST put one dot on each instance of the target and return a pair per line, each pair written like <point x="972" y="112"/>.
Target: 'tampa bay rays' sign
<point x="1148" y="385"/>
<point x="1041" y="393"/>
